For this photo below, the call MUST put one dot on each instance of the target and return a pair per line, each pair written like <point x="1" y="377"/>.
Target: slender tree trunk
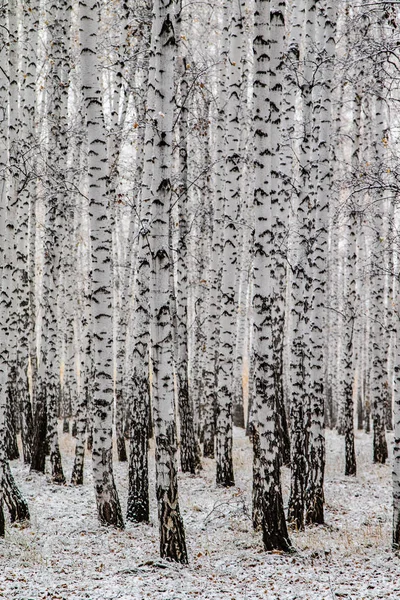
<point x="188" y="440"/>
<point x="108" y="506"/>
<point x="9" y="491"/>
<point x="172" y="536"/>
<point x="227" y="342"/>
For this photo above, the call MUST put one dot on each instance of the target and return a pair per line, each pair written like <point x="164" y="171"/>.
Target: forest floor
<point x="65" y="554"/>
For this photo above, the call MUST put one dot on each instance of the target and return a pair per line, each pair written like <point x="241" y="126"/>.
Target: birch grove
<point x="198" y="245"/>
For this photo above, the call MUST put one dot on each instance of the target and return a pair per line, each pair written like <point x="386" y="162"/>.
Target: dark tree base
<point x="297" y="487"/>
<point x="111" y="516"/>
<point x="188" y="442"/>
<point x="274" y="529"/>
<point x="2" y="522"/>
<point x="340" y="429"/>
<point x="188" y="463"/>
<point x="275" y="533"/>
<point x="172" y="534"/>
<point x="380" y="454"/>
<point x="16" y="503"/>
<point x="396" y="536"/>
<point x="257" y="485"/>
<point x="12" y="449"/>
<point x="296" y="521"/>
<point x="225" y="477"/>
<point x="38" y="461"/>
<point x="380" y="449"/>
<point x="209" y="440"/>
<point x="315" y="513"/>
<point x="224" y="462"/>
<point x="110" y="513"/>
<point x="57" y="473"/>
<point x="238" y="416"/>
<point x="350" y="455"/>
<point x="74" y="429"/>
<point x="208" y="448"/>
<point x="121" y="449"/>
<point x="138" y="511"/>
<point x="77" y="474"/>
<point x="65" y="426"/>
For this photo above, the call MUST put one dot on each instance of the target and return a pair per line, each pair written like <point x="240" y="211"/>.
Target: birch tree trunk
<point x="9" y="492"/>
<point x="190" y="459"/>
<point x="300" y="289"/>
<point x="108" y="506"/>
<point x="172" y="536"/>
<point x="323" y="168"/>
<point x="213" y="321"/>
<point x="396" y="437"/>
<point x="227" y="342"/>
<point x="139" y="395"/>
<point x="350" y="309"/>
<point x="22" y="70"/>
<point x="268" y="273"/>
<point x="379" y="366"/>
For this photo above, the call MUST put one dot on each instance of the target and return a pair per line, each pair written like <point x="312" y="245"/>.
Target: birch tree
<point x="172" y="536"/>
<point x="108" y="506"/>
<point x="268" y="270"/>
<point x="188" y="439"/>
<point x="9" y="492"/>
<point x="225" y="476"/>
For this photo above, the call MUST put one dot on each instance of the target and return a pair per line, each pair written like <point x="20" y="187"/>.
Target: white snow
<point x="65" y="554"/>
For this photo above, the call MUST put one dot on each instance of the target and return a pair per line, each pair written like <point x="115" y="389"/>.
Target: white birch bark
<point x="189" y="455"/>
<point x="349" y="327"/>
<point x="138" y="358"/>
<point x="379" y="366"/>
<point x="224" y="464"/>
<point x="213" y="322"/>
<point x="319" y="214"/>
<point x="268" y="273"/>
<point x="9" y="492"/>
<point x="22" y="69"/>
<point x="108" y="506"/>
<point x="300" y="289"/>
<point x="172" y="536"/>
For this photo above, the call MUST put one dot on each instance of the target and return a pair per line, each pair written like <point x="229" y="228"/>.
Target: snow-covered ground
<point x="65" y="554"/>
